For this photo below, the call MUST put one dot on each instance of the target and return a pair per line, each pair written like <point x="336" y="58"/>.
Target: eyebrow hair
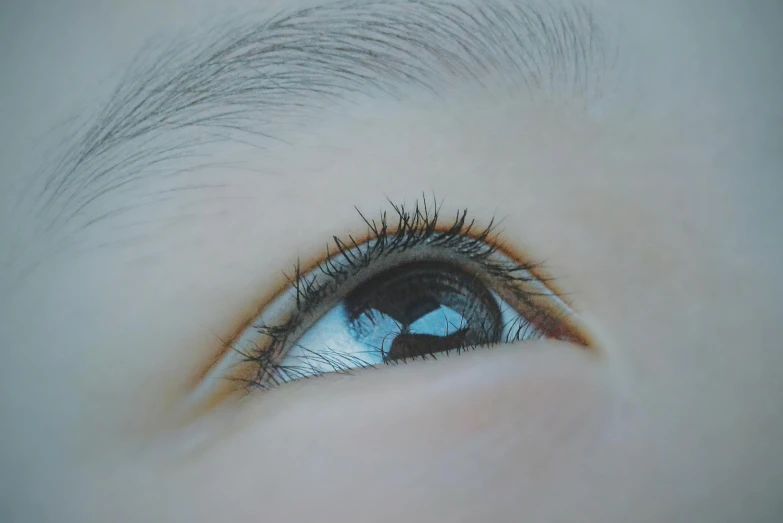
<point x="242" y="80"/>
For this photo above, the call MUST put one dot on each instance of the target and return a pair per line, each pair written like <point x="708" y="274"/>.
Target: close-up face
<point x="358" y="261"/>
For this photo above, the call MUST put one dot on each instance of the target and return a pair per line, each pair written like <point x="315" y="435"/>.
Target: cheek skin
<point x="488" y="433"/>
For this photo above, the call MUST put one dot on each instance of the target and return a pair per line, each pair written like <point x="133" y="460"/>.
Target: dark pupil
<point x="423" y="308"/>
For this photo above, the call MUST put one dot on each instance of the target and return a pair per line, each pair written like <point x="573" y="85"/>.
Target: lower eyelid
<point x="452" y="398"/>
<point x="226" y="389"/>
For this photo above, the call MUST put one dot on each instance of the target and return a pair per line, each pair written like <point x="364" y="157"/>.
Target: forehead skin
<point x="654" y="201"/>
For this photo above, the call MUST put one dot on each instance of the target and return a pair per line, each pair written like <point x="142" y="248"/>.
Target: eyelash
<point x="422" y="225"/>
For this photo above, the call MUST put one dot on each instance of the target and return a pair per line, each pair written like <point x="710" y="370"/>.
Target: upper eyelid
<point x="210" y="84"/>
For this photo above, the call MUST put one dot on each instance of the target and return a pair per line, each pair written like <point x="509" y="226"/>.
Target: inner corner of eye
<point x="403" y="294"/>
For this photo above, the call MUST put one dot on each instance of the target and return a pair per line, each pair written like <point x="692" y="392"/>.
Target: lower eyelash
<point x="421" y="225"/>
<point x="312" y="362"/>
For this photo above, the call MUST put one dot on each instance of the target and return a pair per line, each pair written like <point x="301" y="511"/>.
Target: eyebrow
<point x="242" y="80"/>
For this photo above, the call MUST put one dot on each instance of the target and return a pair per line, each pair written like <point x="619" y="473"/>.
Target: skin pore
<point x="646" y="177"/>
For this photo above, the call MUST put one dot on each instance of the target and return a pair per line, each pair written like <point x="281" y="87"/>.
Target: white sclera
<point x="334" y="343"/>
<point x="331" y="342"/>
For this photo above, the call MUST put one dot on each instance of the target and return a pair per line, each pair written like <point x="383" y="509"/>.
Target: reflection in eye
<point x="419" y="286"/>
<point x="413" y="310"/>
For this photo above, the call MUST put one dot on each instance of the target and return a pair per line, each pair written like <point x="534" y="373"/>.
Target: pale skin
<point x="655" y="207"/>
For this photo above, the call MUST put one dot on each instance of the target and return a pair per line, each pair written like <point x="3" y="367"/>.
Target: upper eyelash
<point x="423" y="223"/>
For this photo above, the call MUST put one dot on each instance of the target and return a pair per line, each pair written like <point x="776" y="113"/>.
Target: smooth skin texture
<point x="656" y="206"/>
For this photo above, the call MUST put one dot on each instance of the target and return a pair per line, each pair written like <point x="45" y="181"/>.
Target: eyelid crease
<point x="568" y="325"/>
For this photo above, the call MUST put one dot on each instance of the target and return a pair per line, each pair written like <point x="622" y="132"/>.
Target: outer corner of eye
<point x="416" y="286"/>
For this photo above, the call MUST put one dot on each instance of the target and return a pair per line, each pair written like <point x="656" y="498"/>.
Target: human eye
<point x="418" y="285"/>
